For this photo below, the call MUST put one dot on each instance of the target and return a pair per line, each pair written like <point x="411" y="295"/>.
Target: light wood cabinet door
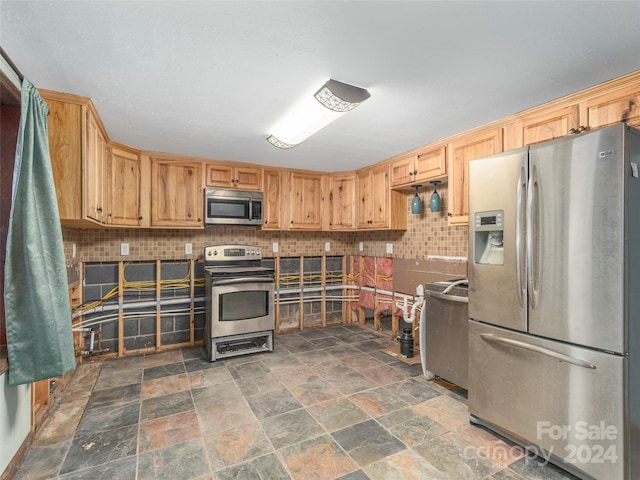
<point x="621" y="105"/>
<point x="305" y="207"/>
<point x="379" y="207"/>
<point x="271" y="204"/>
<point x="421" y="167"/>
<point x="431" y="164"/>
<point x="95" y="170"/>
<point x="176" y="194"/>
<point x="379" y="198"/>
<point x="403" y="171"/>
<point x="229" y="176"/>
<point x="373" y="198"/>
<point x="78" y="151"/>
<point x="124" y="187"/>
<point x="67" y="137"/>
<point x="342" y="202"/>
<point x="462" y="151"/>
<point x="546" y="126"/>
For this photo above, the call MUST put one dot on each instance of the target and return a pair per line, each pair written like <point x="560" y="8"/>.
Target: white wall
<point x="15" y="419"/>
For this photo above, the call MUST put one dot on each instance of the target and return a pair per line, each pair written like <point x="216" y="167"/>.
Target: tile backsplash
<point x="427" y="234"/>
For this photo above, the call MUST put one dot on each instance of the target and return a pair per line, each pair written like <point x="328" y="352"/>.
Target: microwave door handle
<point x="236" y="280"/>
<point x="250" y="209"/>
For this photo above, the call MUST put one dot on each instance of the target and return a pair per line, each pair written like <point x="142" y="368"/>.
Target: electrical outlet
<point x="188" y="249"/>
<point x="327" y="246"/>
<point x="124" y="249"/>
<point x="361" y="247"/>
<point x="274" y="247"/>
<point x="389" y="247"/>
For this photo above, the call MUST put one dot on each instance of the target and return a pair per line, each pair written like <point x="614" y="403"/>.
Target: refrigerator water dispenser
<point x="488" y="237"/>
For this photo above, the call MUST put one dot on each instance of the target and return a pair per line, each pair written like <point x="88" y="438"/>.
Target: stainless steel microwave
<point x="224" y="206"/>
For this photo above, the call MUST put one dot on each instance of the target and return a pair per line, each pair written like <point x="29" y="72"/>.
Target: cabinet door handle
<point x="139" y="218"/>
<point x="415" y="172"/>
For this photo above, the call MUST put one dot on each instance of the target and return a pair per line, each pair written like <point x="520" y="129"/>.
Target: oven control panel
<point x="232" y="253"/>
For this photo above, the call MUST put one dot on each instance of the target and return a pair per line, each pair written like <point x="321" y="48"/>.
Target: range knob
<point x="209" y="253"/>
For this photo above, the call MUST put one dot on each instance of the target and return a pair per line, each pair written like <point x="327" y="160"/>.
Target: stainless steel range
<point x="239" y="295"/>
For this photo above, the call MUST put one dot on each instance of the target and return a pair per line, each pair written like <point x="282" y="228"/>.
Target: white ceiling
<point x="210" y="78"/>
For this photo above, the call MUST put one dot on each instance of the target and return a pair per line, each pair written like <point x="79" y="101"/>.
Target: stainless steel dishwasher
<point x="446" y="331"/>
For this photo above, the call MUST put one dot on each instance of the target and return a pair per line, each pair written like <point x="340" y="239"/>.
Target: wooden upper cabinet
<point x="272" y="204"/>
<point x="379" y="207"/>
<point x="621" y="105"/>
<point x="423" y="166"/>
<point x="545" y="126"/>
<point x="176" y="193"/>
<point x="463" y="150"/>
<point x="598" y="108"/>
<point x="305" y="201"/>
<point x="96" y="167"/>
<point x="124" y="186"/>
<point x="230" y="176"/>
<point x="78" y="150"/>
<point x="66" y="125"/>
<point x="341" y="207"/>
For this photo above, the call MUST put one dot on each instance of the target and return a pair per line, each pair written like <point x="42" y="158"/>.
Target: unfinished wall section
<point x="142" y="306"/>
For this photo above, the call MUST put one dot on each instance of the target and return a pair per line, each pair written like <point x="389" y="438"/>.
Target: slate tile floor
<point x="327" y="404"/>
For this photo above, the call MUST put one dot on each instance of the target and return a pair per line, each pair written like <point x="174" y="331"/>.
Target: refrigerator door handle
<point x="533" y="237"/>
<point x="521" y="200"/>
<point x="444" y="296"/>
<point x="491" y="338"/>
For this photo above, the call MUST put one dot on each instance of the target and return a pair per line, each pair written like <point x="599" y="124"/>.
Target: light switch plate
<point x="274" y="247"/>
<point x="389" y="247"/>
<point x="327" y="246"/>
<point x="73" y="250"/>
<point x="188" y="249"/>
<point x="361" y="247"/>
<point x="124" y="249"/>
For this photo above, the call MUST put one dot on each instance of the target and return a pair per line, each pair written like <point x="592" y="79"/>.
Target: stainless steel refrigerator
<point x="554" y="300"/>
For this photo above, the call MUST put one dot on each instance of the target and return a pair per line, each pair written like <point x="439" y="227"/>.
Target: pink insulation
<point x="377" y="272"/>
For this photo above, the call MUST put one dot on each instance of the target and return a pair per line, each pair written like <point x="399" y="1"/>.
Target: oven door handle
<point x="236" y="280"/>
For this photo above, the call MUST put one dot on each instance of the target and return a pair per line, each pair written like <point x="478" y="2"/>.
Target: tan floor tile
<point x="237" y="445"/>
<point x="322" y="456"/>
<point x="406" y="465"/>
<point x="166" y="431"/>
<point x="164" y="358"/>
<point x="445" y="410"/>
<point x="165" y="385"/>
<point x="61" y="425"/>
<point x="224" y="416"/>
<point x="499" y="450"/>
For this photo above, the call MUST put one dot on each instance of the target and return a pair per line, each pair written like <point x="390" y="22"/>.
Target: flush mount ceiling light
<point x="315" y="112"/>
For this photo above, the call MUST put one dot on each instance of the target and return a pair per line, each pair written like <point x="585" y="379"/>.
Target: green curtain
<point x="39" y="336"/>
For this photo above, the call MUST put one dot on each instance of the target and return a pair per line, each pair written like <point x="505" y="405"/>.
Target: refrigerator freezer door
<point x="497" y="292"/>
<point x="576" y="239"/>
<point x="564" y="399"/>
